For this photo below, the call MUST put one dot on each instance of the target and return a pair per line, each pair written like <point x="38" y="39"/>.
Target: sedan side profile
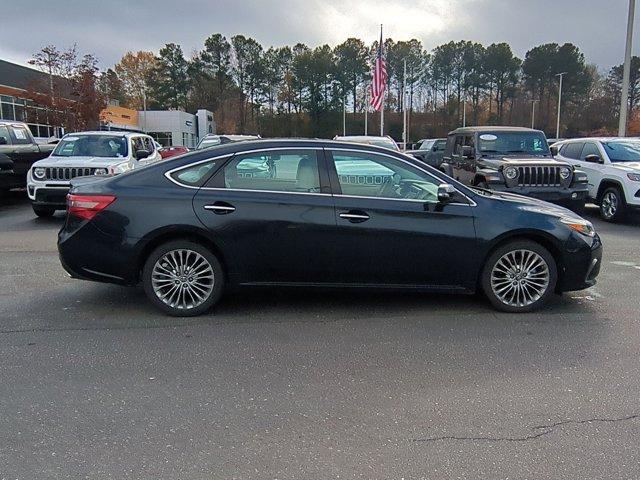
<point x="318" y="213"/>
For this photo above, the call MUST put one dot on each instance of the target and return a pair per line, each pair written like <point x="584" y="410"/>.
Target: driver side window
<point x="370" y="175"/>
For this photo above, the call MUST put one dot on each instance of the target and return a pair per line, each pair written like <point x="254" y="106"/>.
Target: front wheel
<point x="611" y="204"/>
<point x="183" y="278"/>
<point x="43" y="212"/>
<point x="519" y="276"/>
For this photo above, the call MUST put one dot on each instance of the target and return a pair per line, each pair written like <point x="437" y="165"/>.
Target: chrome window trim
<point x="168" y="173"/>
<point x="471" y="202"/>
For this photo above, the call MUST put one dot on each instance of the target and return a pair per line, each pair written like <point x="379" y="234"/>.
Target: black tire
<point x="209" y="299"/>
<point x="608" y="211"/>
<point x="518" y="246"/>
<point x="43" y="212"/>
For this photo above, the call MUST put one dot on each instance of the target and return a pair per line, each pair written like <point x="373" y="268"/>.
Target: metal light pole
<point x="533" y="113"/>
<point x="344" y="118"/>
<point x="464" y="111"/>
<point x="624" y="98"/>
<point x="144" y="108"/>
<point x="559" y="101"/>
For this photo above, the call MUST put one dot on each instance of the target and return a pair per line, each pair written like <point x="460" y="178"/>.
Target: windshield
<point x="512" y="143"/>
<point x="91" y="146"/>
<point x="426" y="145"/>
<point x="623" y="150"/>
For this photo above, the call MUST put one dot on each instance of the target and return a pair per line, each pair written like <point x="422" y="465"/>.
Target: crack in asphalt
<point x="546" y="430"/>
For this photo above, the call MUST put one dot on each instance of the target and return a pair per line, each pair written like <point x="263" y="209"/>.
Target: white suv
<point x="84" y="154"/>
<point x="612" y="165"/>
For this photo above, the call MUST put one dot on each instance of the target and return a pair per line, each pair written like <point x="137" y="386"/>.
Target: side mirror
<point x="593" y="158"/>
<point x="467" y="151"/>
<point x="446" y="192"/>
<point x="3" y="141"/>
<point x="140" y="154"/>
<point x="553" y="150"/>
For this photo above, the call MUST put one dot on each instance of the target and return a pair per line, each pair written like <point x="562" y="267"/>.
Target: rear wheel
<point x="183" y="278"/>
<point x="612" y="204"/>
<point x="519" y="276"/>
<point x="41" y="211"/>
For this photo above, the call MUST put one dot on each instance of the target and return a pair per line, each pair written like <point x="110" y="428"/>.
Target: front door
<point x="390" y="228"/>
<point x="273" y="212"/>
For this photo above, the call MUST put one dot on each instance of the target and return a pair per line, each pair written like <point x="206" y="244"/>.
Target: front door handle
<point x="220" y="208"/>
<point x="355" y="216"/>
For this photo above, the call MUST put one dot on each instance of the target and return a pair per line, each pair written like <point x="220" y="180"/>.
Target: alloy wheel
<point x="520" y="278"/>
<point x="609" y="205"/>
<point x="182" y="279"/>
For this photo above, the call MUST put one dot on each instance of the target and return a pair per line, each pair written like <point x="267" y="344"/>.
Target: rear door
<point x="390" y="229"/>
<point x="272" y="212"/>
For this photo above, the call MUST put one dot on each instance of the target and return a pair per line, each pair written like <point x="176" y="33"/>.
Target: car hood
<point x="627" y="166"/>
<point x="532" y="204"/>
<point x="79" y="161"/>
<point x="522" y="161"/>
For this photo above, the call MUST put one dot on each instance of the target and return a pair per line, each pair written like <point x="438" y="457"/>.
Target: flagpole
<point x="366" y="109"/>
<point x="383" y="95"/>
<point x="404" y="106"/>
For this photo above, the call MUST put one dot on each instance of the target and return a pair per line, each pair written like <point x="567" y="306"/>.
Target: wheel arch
<point x="542" y="238"/>
<point x="607" y="183"/>
<point x="186" y="232"/>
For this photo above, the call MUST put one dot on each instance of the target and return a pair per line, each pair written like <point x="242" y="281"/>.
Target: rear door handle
<point x="220" y="208"/>
<point x="355" y="216"/>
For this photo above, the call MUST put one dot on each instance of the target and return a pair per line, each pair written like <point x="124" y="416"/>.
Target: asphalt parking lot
<point x="95" y="383"/>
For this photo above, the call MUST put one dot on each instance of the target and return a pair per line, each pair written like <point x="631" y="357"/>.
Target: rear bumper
<point x="580" y="264"/>
<point x="110" y="259"/>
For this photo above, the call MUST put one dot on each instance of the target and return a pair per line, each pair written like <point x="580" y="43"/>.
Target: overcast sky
<point x="110" y="28"/>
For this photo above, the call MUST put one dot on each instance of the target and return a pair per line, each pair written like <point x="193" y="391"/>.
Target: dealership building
<point x="168" y="127"/>
<point x="15" y="83"/>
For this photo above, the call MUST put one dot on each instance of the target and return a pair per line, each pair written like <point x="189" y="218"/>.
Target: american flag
<point x="379" y="78"/>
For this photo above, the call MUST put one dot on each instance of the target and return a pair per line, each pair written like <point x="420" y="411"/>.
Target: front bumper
<point x="548" y="194"/>
<point x="580" y="263"/>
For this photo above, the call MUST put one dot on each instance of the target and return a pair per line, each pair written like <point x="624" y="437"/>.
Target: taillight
<point x="88" y="206"/>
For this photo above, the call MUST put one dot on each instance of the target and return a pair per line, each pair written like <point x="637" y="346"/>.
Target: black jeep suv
<point x="514" y="160"/>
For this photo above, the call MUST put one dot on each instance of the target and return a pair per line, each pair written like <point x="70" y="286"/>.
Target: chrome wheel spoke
<point x="183" y="279"/>
<point x="520" y="277"/>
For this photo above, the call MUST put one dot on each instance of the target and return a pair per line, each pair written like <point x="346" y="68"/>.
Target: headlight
<point x="565" y="172"/>
<point x="579" y="225"/>
<point x="39" y="173"/>
<point x="634" y="177"/>
<point x="510" y="173"/>
<point x="100" y="171"/>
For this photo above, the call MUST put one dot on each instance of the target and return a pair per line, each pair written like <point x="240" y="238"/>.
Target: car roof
<point x="491" y="128"/>
<point x="227" y="149"/>
<point x="596" y="139"/>
<point x="362" y="137"/>
<point x="113" y="133"/>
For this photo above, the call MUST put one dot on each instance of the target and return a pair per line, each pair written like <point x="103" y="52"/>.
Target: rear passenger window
<point x="277" y="171"/>
<point x="194" y="175"/>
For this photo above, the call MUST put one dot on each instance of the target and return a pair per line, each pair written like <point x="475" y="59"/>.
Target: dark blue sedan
<point x="318" y="213"/>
